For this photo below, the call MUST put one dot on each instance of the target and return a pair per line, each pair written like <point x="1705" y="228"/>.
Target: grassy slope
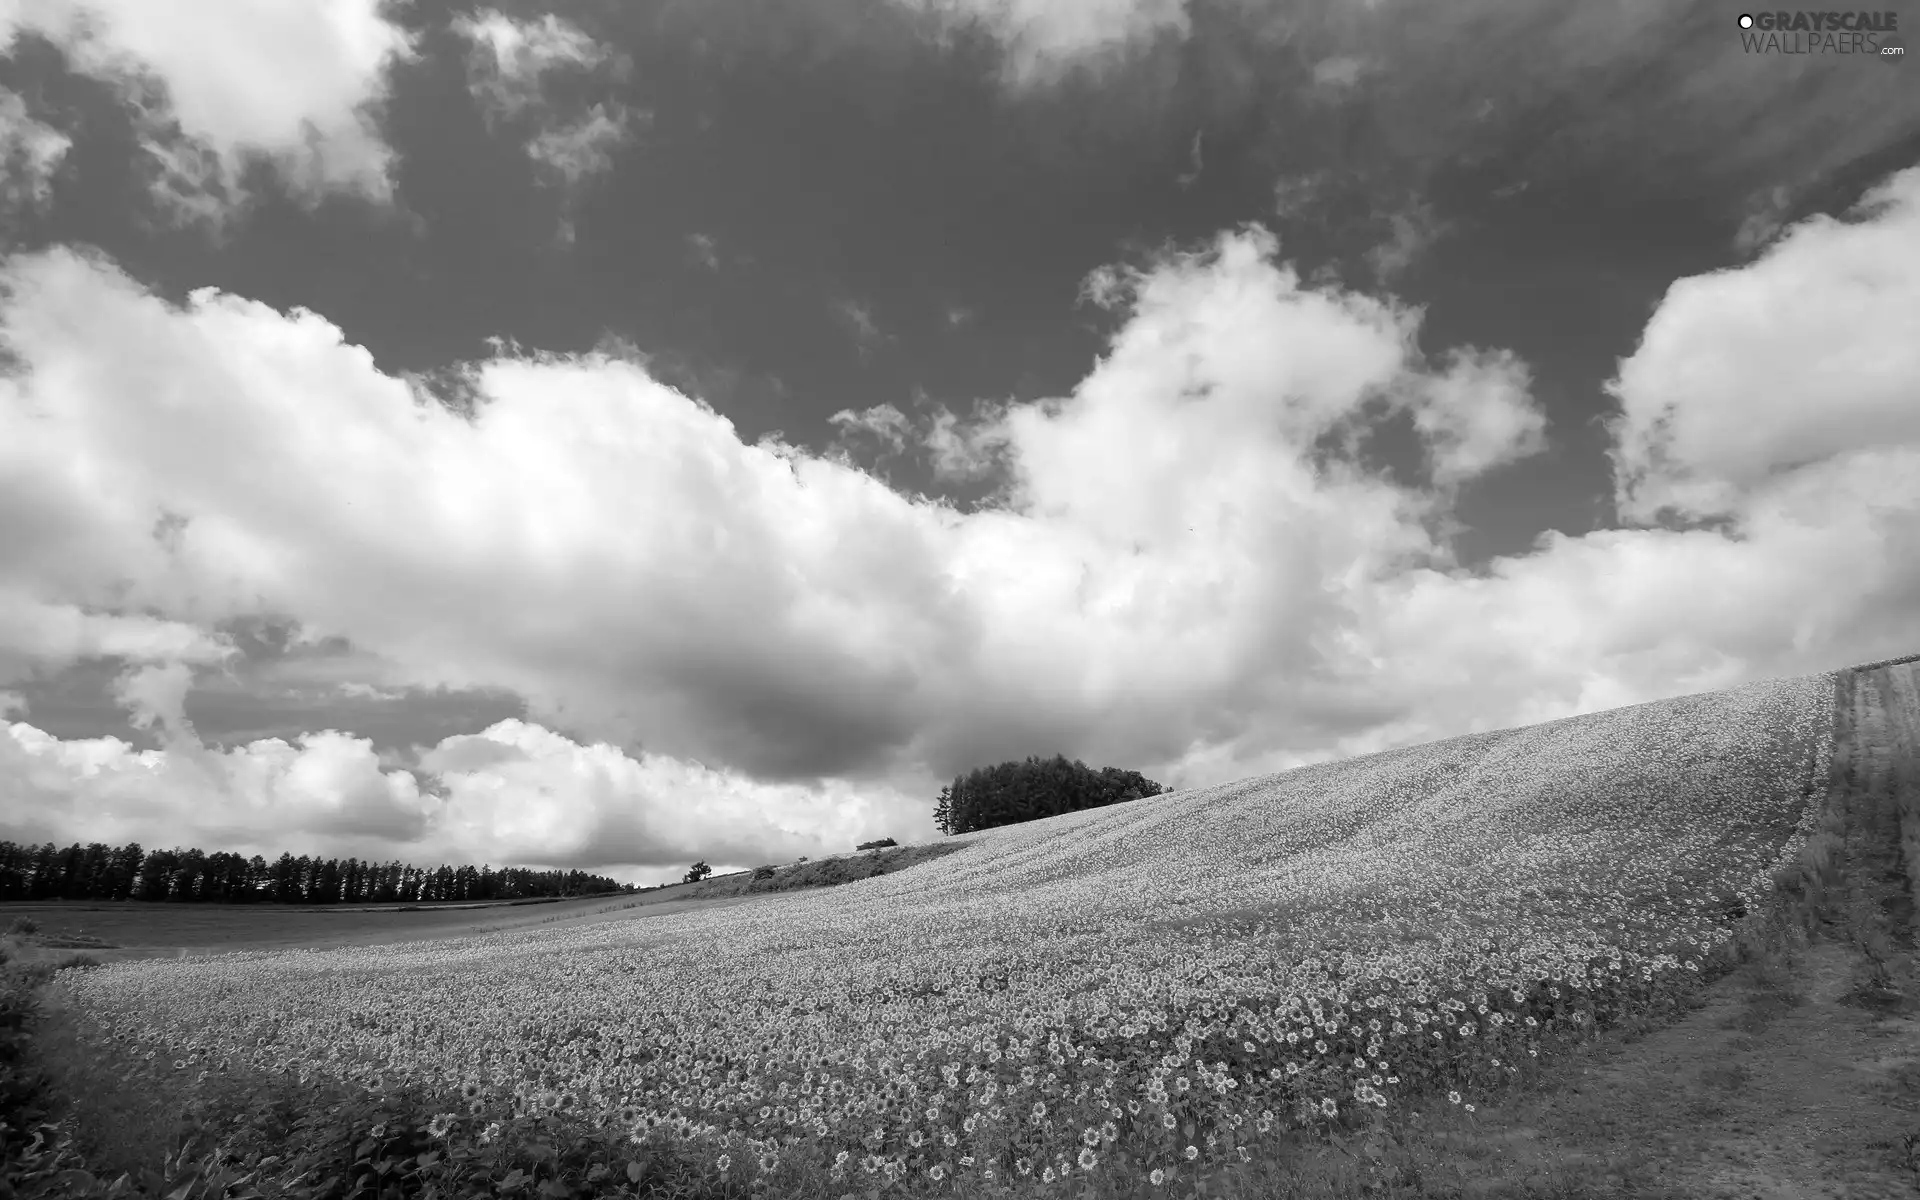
<point x="1796" y="1074"/>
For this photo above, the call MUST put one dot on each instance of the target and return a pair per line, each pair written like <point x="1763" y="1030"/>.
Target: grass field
<point x="131" y="930"/>
<point x="1664" y="950"/>
<point x="118" y="931"/>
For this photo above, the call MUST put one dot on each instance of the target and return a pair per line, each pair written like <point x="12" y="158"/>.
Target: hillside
<point x="1601" y="954"/>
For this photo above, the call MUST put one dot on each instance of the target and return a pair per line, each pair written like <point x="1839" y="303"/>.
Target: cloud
<point x="962" y="451"/>
<point x="510" y="69"/>
<point x="30" y="152"/>
<point x="298" y="83"/>
<point x="1765" y="215"/>
<point x="1799" y="361"/>
<point x="705" y="249"/>
<point x="1408" y="97"/>
<point x="857" y="319"/>
<point x="462" y="755"/>
<point x="357" y="690"/>
<point x="1584" y="91"/>
<point x="514" y="793"/>
<point x="1044" y="40"/>
<point x="1182" y="568"/>
<point x="1338" y="71"/>
<point x="1296" y="195"/>
<point x="883" y="422"/>
<point x="327" y="792"/>
<point x="584" y="147"/>
<point x="1478" y="414"/>
<point x="1412" y="230"/>
<point x="38" y="637"/>
<point x="510" y="59"/>
<point x="156" y="696"/>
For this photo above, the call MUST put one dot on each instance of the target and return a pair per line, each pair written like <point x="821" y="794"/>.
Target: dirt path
<point x="1793" y="1080"/>
<point x="1775" y="1088"/>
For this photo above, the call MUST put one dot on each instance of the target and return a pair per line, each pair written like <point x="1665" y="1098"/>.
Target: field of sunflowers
<point x="1143" y="990"/>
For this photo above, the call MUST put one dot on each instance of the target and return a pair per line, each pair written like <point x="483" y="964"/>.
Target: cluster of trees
<point x="101" y="872"/>
<point x="1012" y="792"/>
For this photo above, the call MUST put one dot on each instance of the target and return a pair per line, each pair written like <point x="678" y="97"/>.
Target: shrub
<point x="876" y="845"/>
<point x="763" y="872"/>
<point x="24" y="926"/>
<point x="697" y="872"/>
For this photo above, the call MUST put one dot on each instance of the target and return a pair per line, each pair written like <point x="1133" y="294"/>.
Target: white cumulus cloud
<point x="296" y="81"/>
<point x="1183" y="571"/>
<point x="1800" y="360"/>
<point x="509" y="66"/>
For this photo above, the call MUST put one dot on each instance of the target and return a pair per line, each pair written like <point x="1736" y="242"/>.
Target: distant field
<point x="146" y="930"/>
<point x="136" y="930"/>
<point x="1127" y="983"/>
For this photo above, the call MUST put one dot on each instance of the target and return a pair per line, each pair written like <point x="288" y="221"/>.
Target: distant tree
<point x="697" y="872"/>
<point x="329" y="881"/>
<point x="125" y="870"/>
<point x="40" y="872"/>
<point x="1016" y="791"/>
<point x="190" y="875"/>
<point x="98" y="881"/>
<point x="188" y="867"/>
<point x="156" y="875"/>
<point x="943" y="814"/>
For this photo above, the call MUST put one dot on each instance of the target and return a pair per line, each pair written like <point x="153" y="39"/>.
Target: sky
<point x="613" y="434"/>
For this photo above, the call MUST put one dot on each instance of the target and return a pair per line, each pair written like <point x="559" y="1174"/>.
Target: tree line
<point x="1012" y="792"/>
<point x="102" y="872"/>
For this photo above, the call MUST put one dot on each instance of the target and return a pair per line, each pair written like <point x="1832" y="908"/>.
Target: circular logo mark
<point x="1746" y="20"/>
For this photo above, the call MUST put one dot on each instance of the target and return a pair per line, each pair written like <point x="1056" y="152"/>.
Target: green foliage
<point x="875" y="845"/>
<point x="764" y="872"/>
<point x="697" y="872"/>
<point x="1014" y="792"/>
